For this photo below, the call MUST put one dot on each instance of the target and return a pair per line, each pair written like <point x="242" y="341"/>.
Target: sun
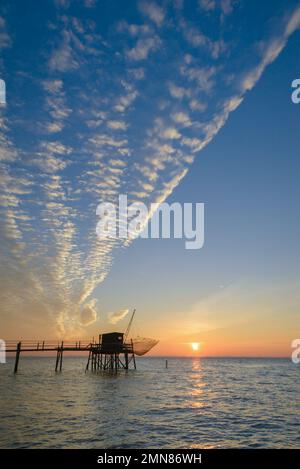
<point x="195" y="346"/>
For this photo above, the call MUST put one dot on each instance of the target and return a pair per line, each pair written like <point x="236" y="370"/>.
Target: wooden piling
<point x="61" y="356"/>
<point x="17" y="357"/>
<point x="133" y="356"/>
<point x="57" y="358"/>
<point x="88" y="362"/>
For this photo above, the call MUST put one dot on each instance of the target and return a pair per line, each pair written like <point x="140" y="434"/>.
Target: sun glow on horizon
<point x="195" y="346"/>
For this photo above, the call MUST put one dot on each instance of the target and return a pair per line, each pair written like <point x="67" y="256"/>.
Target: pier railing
<point x="54" y="345"/>
<point x="47" y="345"/>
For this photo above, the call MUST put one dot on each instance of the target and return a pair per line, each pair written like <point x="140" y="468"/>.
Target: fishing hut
<point x="111" y="353"/>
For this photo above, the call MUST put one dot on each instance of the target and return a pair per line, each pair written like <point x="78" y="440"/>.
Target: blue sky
<point x="183" y="101"/>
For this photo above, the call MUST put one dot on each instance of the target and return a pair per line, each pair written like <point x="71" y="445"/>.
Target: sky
<point x="178" y="101"/>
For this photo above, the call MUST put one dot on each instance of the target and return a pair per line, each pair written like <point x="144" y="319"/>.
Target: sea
<point x="194" y="403"/>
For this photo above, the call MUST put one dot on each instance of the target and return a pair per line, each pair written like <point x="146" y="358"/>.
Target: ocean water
<point x="195" y="403"/>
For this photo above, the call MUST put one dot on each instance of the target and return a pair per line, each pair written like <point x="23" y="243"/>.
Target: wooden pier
<point x="110" y="353"/>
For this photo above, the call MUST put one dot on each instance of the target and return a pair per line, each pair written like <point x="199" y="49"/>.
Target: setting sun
<point x="195" y="346"/>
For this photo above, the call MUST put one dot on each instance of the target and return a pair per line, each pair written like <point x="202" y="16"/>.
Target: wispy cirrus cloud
<point x="270" y="49"/>
<point x="117" y="316"/>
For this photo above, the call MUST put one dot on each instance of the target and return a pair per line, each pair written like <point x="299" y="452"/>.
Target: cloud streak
<point x="117" y="316"/>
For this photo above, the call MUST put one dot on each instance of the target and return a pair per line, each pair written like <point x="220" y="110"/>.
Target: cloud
<point x="134" y="29"/>
<point x="52" y="157"/>
<point x="207" y="5"/>
<point x="74" y="44"/>
<point x="181" y="118"/>
<point x="170" y="133"/>
<point x="116" y="125"/>
<point x="178" y="91"/>
<point x="106" y="140"/>
<point x="63" y="58"/>
<point x="153" y="11"/>
<point x="143" y="47"/>
<point x="125" y="101"/>
<point x="197" y="39"/>
<point x="53" y="86"/>
<point x="293" y="23"/>
<point x="194" y="143"/>
<point x="203" y="76"/>
<point x="137" y="73"/>
<point x="53" y="127"/>
<point x="117" y="316"/>
<point x="196" y="105"/>
<point x="226" y="6"/>
<point x="5" y="40"/>
<point x="88" y="313"/>
<point x="55" y="106"/>
<point x="56" y="147"/>
<point x="8" y="152"/>
<point x="270" y="51"/>
<point x="193" y="35"/>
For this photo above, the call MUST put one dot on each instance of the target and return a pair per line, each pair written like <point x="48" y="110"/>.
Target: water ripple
<point x="246" y="403"/>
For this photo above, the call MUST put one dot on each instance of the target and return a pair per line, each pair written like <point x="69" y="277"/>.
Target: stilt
<point x="61" y="356"/>
<point x="133" y="356"/>
<point x="17" y="357"/>
<point x="88" y="362"/>
<point x="126" y="361"/>
<point x="57" y="358"/>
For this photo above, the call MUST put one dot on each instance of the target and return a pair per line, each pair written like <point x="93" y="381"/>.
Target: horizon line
<point x="82" y="353"/>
